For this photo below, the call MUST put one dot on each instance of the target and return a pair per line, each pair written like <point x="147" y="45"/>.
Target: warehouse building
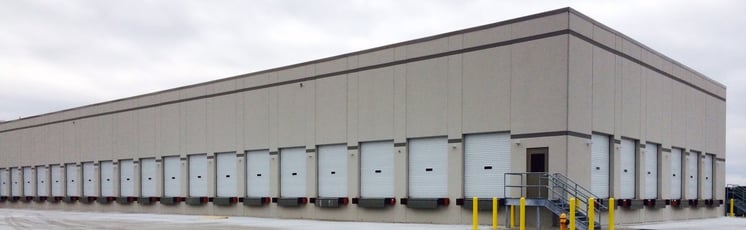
<point x="408" y="132"/>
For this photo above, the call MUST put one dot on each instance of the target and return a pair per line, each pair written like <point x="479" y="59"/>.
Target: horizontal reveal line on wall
<point x="551" y="134"/>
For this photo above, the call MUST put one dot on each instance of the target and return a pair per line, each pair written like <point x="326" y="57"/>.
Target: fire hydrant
<point x="563" y="221"/>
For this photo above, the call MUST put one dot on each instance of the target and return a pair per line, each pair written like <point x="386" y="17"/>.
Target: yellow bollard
<point x="591" y="213"/>
<point x="731" y="208"/>
<point x="522" y="220"/>
<point x="475" y="212"/>
<point x="494" y="213"/>
<point x="572" y="213"/>
<point x="512" y="216"/>
<point x="611" y="213"/>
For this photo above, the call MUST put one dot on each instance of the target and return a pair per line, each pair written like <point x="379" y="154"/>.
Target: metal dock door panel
<point x="147" y="177"/>
<point x="89" y="180"/>
<point x="651" y="171"/>
<point x="57" y="181"/>
<point x="28" y="182"/>
<point x="377" y="169"/>
<point x="226" y="175"/>
<point x="707" y="180"/>
<point x="172" y="176"/>
<point x="126" y="178"/>
<point x="107" y="178"/>
<point x="42" y="182"/>
<point x="600" y="165"/>
<point x="332" y="171"/>
<point x="627" y="168"/>
<point x="676" y="173"/>
<point x="198" y="175"/>
<point x="71" y="173"/>
<point x="692" y="171"/>
<point x="293" y="172"/>
<point x="4" y="183"/>
<point x="428" y="167"/>
<point x="257" y="173"/>
<point x="16" y="182"/>
<point x="486" y="159"/>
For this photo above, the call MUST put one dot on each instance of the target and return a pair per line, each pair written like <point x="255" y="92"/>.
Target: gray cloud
<point x="61" y="54"/>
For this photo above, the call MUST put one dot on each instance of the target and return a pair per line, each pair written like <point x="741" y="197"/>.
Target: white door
<point x="73" y="180"/>
<point x="4" y="183"/>
<point x="257" y="173"/>
<point x="89" y="180"/>
<point x="332" y="171"/>
<point x="147" y="177"/>
<point x="676" y="174"/>
<point x="651" y="171"/>
<point x="126" y="178"/>
<point x="692" y="172"/>
<point x="707" y="181"/>
<point x="17" y="182"/>
<point x="226" y="175"/>
<point x="107" y="178"/>
<point x="377" y="169"/>
<point x="57" y="182"/>
<point x="197" y="175"/>
<point x="293" y="172"/>
<point x="600" y="165"/>
<point x="172" y="176"/>
<point x="486" y="159"/>
<point x="428" y="167"/>
<point x="42" y="182"/>
<point x="28" y="181"/>
<point x="627" y="169"/>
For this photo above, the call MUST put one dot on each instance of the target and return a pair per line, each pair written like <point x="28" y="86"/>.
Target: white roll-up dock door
<point x="428" y="167"/>
<point x="16" y="181"/>
<point x="226" y="172"/>
<point x="332" y="171"/>
<point x="73" y="180"/>
<point x="293" y="172"/>
<point x="57" y="182"/>
<point x="198" y="175"/>
<point x="651" y="171"/>
<point x="257" y="173"/>
<point x="107" y="178"/>
<point x="707" y="180"/>
<point x="377" y="169"/>
<point x="676" y="173"/>
<point x="126" y="178"/>
<point x="172" y="176"/>
<point x="89" y="180"/>
<point x="627" y="169"/>
<point x="692" y="173"/>
<point x="486" y="160"/>
<point x="28" y="181"/>
<point x="4" y="183"/>
<point x="42" y="180"/>
<point x="600" y="153"/>
<point x="148" y="186"/>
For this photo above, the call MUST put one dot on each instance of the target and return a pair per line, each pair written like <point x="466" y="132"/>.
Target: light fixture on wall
<point x="518" y="142"/>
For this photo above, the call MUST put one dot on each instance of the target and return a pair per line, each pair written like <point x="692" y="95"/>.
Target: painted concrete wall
<point x="540" y="78"/>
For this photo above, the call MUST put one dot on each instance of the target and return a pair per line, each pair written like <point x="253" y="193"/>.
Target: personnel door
<point x="537" y="165"/>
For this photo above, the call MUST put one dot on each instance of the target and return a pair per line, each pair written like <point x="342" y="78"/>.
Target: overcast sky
<point x="62" y="54"/>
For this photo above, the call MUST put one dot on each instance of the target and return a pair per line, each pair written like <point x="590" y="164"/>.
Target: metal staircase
<point x="738" y="193"/>
<point x="553" y="192"/>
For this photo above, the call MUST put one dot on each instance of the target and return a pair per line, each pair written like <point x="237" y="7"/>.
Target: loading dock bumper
<point x="40" y="199"/>
<point x="256" y="201"/>
<point x="630" y="204"/>
<point x="87" y="199"/>
<point x="196" y="201"/>
<point x="126" y="199"/>
<point x="374" y="202"/>
<point x="28" y="198"/>
<point x="148" y="200"/>
<point x="56" y="199"/>
<point x="225" y="201"/>
<point x="678" y="203"/>
<point x="171" y="200"/>
<point x="485" y="204"/>
<point x="332" y="202"/>
<point x="425" y="203"/>
<point x="106" y="199"/>
<point x="291" y="201"/>
<point x="3" y="198"/>
<point x="70" y="199"/>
